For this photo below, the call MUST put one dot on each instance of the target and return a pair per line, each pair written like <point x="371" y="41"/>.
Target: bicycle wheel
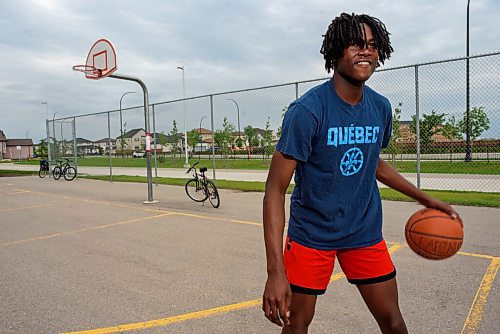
<point x="213" y="194"/>
<point x="195" y="191"/>
<point x="56" y="173"/>
<point x="69" y="173"/>
<point x="43" y="172"/>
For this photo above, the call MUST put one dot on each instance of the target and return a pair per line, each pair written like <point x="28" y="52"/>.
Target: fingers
<point x="285" y="308"/>
<point x="271" y="311"/>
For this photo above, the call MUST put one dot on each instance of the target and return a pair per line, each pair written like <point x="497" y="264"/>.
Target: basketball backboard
<point x="101" y="60"/>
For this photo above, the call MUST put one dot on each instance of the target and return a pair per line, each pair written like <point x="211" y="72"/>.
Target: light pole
<point x="46" y="109"/>
<point x="201" y="146"/>
<point x="468" y="149"/>
<point x="121" y="122"/>
<point x="184" y="106"/>
<point x="238" y="108"/>
<point x="28" y="131"/>
<point x="54" y="131"/>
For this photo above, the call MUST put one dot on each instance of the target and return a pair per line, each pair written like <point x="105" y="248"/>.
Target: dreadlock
<point x="347" y="29"/>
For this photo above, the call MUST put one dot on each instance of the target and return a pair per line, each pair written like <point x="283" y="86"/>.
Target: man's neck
<point x="351" y="93"/>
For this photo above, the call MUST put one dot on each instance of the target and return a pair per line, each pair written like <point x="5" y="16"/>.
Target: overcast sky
<point x="224" y="46"/>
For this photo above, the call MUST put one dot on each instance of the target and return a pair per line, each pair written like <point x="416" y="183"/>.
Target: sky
<point x="223" y="46"/>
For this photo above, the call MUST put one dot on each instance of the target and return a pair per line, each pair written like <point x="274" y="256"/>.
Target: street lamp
<point x="238" y="108"/>
<point x="121" y="122"/>
<point x="54" y="131"/>
<point x="201" y="146"/>
<point x="46" y="109"/>
<point x="27" y="133"/>
<point x="184" y="106"/>
<point x="468" y="149"/>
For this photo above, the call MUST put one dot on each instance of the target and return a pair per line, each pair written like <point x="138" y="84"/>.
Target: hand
<point x="277" y="299"/>
<point x="440" y="205"/>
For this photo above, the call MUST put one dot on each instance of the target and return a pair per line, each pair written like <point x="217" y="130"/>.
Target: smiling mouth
<point x="362" y="63"/>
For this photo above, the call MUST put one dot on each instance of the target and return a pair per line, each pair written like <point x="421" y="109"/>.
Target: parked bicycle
<point x="200" y="188"/>
<point x="64" y="169"/>
<point x="44" y="168"/>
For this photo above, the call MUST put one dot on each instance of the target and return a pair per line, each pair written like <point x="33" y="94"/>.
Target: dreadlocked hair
<point x="347" y="29"/>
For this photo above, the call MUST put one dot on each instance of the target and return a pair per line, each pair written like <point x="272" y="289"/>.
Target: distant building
<point x="19" y="149"/>
<point x="134" y="139"/>
<point x="409" y="137"/>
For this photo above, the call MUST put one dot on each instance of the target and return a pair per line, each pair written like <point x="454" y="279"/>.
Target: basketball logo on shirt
<point x="351" y="162"/>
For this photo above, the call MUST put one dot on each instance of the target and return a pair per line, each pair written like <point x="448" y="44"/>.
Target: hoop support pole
<point x="146" y="123"/>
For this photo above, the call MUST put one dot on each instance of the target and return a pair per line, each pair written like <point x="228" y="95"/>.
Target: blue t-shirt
<point x="336" y="202"/>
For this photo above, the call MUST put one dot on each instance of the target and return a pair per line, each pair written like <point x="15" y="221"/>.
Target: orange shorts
<point x="309" y="270"/>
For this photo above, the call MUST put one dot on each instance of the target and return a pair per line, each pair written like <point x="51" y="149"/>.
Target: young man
<point x="331" y="140"/>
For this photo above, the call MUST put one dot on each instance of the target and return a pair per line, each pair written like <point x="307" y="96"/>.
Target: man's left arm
<point x="391" y="178"/>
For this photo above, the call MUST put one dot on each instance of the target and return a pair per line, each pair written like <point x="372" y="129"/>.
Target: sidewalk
<point x="457" y="182"/>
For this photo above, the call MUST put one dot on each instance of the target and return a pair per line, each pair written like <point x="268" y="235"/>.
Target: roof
<point x="83" y="141"/>
<point x="2" y="136"/>
<point x="131" y="133"/>
<point x="19" y="142"/>
<point x="105" y="140"/>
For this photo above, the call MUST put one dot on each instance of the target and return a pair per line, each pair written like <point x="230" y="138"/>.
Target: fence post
<point x="417" y="112"/>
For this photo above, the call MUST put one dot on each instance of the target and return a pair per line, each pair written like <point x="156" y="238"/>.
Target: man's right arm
<point x="277" y="294"/>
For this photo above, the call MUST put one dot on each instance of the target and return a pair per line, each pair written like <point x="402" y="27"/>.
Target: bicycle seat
<point x="203" y="169"/>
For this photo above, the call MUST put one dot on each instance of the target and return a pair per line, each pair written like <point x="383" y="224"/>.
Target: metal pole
<point x="109" y="148"/>
<point x="417" y="124"/>
<point x="201" y="146"/>
<point x="213" y="135"/>
<point x="154" y="141"/>
<point x="468" y="150"/>
<point x="146" y="121"/>
<point x="48" y="142"/>
<point x="75" y="155"/>
<point x="186" y="164"/>
<point x="54" y="133"/>
<point x="121" y="122"/>
<point x="238" y="108"/>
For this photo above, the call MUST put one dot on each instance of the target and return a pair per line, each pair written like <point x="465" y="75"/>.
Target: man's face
<point x="359" y="60"/>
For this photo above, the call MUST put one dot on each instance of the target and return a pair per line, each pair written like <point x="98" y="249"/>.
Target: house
<point x="406" y="136"/>
<point x="3" y="146"/>
<point x="15" y="148"/>
<point x="103" y="145"/>
<point x="85" y="147"/>
<point x="206" y="141"/>
<point x="132" y="140"/>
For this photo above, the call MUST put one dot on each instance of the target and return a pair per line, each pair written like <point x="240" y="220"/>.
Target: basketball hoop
<point x="101" y="61"/>
<point x="90" y="71"/>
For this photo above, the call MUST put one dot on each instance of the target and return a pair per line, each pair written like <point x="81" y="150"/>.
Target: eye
<point x="372" y="45"/>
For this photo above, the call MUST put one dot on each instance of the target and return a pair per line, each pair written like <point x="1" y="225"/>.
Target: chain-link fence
<point x="446" y="124"/>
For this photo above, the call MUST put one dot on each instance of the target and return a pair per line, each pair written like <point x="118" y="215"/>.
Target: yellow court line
<point x="473" y="320"/>
<point x="15" y="193"/>
<point x="476" y="255"/>
<point x="27" y="207"/>
<point x="44" y="237"/>
<point x="195" y="315"/>
<point x="170" y="320"/>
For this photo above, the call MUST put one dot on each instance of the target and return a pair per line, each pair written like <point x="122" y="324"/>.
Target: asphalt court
<point x="89" y="257"/>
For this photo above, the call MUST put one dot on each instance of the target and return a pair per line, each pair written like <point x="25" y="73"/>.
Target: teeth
<point x="363" y="63"/>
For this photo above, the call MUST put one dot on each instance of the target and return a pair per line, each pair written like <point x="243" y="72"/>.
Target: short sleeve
<point x="298" y="130"/>
<point x="388" y="126"/>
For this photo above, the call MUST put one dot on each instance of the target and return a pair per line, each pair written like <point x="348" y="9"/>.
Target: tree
<point x="451" y="130"/>
<point x="393" y="148"/>
<point x="283" y="112"/>
<point x="431" y="124"/>
<point x="478" y="122"/>
<point x="194" y="137"/>
<point x="224" y="137"/>
<point x="252" y="139"/>
<point x="267" y="140"/>
<point x="174" y="139"/>
<point x="42" y="149"/>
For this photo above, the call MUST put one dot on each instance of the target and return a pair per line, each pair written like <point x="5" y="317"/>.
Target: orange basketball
<point x="434" y="234"/>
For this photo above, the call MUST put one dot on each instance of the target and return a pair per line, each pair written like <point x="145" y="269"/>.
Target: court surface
<point x="89" y="257"/>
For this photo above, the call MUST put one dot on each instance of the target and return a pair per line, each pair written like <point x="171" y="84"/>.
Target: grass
<point x="453" y="197"/>
<point x="440" y="167"/>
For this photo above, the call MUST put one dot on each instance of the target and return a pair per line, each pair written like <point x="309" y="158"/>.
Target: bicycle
<point x="44" y="168"/>
<point x="64" y="169"/>
<point x="200" y="188"/>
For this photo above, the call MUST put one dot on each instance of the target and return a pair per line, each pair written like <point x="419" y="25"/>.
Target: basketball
<point x="434" y="234"/>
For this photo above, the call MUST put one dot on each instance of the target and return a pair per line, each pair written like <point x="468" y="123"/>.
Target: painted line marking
<point x="28" y="207"/>
<point x="197" y="314"/>
<point x="55" y="235"/>
<point x="473" y="320"/>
